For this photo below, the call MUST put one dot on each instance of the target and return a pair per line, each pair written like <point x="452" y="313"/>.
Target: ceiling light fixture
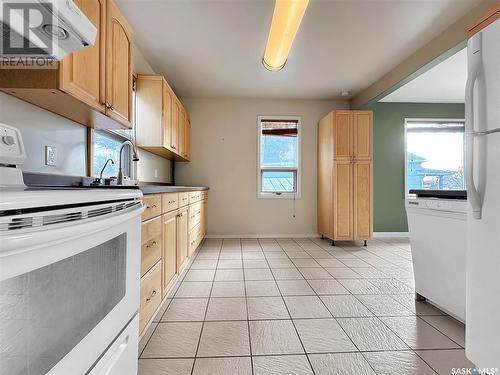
<point x="284" y="26"/>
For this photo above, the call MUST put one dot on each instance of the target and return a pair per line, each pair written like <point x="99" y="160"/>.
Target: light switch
<point x="50" y="155"/>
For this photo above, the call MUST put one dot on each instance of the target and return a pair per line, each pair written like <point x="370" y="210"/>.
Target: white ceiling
<point x="444" y="83"/>
<point x="209" y="48"/>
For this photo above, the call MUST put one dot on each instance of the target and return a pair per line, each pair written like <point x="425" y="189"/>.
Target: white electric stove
<point x="69" y="274"/>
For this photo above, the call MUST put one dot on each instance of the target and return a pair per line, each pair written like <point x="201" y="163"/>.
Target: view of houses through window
<point x="106" y="145"/>
<point x="435" y="154"/>
<point x="279" y="155"/>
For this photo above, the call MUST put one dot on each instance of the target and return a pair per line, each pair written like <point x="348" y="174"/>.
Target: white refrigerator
<point x="482" y="113"/>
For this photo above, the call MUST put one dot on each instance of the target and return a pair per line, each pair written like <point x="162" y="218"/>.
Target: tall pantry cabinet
<point x="345" y="182"/>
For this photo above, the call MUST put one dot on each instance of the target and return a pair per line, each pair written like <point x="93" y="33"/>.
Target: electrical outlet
<point x="50" y="155"/>
<point x="156" y="173"/>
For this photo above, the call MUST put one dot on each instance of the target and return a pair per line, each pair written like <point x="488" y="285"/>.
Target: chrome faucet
<point x="98" y="181"/>
<point x="134" y="158"/>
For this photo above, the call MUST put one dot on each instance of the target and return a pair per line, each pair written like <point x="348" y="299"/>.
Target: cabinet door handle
<point x="153" y="293"/>
<point x="173" y="147"/>
<point x="151" y="244"/>
<point x="109" y="106"/>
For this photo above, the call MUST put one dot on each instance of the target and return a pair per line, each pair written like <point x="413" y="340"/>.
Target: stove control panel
<point x="12" y="150"/>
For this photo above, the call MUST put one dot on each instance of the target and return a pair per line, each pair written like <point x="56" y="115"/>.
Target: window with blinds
<point x="279" y="157"/>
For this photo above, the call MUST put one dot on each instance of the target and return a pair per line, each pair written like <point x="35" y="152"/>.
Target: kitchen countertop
<point x="156" y="189"/>
<point x="48" y="181"/>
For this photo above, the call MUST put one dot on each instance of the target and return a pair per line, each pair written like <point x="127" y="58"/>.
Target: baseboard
<point x="309" y="235"/>
<point x="390" y="234"/>
<point x="246" y="235"/>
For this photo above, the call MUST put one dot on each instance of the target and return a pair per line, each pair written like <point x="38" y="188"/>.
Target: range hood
<point x="47" y="29"/>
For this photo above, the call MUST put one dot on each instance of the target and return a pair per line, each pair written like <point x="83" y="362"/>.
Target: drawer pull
<point x="151" y="244"/>
<point x="153" y="293"/>
<point x="170" y="202"/>
<point x="152" y="206"/>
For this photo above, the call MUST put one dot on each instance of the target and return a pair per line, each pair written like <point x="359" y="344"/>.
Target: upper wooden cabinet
<point x="167" y="100"/>
<point x="176" y="115"/>
<point x="345" y="197"/>
<point x="83" y="73"/>
<point x="343" y="134"/>
<point x="362" y="135"/>
<point x="161" y="120"/>
<point x="182" y="133"/>
<point x="187" y="138"/>
<point x="92" y="86"/>
<point x="118" y="65"/>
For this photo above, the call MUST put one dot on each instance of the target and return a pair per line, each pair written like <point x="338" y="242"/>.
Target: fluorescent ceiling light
<point x="284" y="26"/>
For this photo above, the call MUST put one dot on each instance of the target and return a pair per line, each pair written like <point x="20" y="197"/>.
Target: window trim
<point x="297" y="193"/>
<point x="405" y="151"/>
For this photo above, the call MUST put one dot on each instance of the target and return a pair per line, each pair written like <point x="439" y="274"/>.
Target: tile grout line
<point x="246" y="305"/>
<point x="313" y="353"/>
<point x="288" y="311"/>
<point x="206" y="310"/>
<point x="327" y="309"/>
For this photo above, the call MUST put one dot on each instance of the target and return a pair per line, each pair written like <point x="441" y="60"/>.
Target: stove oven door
<point x="69" y="289"/>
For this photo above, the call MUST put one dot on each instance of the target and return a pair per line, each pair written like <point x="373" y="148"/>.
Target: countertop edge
<point x="156" y="189"/>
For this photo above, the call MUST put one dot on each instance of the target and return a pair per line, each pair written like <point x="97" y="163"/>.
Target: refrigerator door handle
<point x="472" y="192"/>
<point x="479" y="134"/>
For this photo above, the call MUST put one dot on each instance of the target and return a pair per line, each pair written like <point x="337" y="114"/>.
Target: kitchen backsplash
<point x="41" y="128"/>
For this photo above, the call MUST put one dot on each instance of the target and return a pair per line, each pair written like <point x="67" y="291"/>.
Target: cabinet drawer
<point x="194" y="196"/>
<point x="183" y="199"/>
<point x="194" y="215"/>
<point x="150" y="244"/>
<point x="150" y="295"/>
<point x="170" y="202"/>
<point x="153" y="206"/>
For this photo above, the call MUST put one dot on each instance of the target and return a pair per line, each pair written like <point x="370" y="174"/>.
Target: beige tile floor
<point x="300" y="306"/>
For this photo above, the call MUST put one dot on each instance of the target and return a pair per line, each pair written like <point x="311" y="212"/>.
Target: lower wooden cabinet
<point x="182" y="238"/>
<point x="174" y="225"/>
<point x="150" y="295"/>
<point x="151" y="244"/>
<point x="363" y="202"/>
<point x="342" y="200"/>
<point x="169" y="257"/>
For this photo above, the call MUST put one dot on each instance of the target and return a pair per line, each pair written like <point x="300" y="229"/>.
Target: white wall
<point x="224" y="158"/>
<point x="40" y="128"/>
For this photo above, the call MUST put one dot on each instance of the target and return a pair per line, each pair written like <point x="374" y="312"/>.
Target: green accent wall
<point x="389" y="213"/>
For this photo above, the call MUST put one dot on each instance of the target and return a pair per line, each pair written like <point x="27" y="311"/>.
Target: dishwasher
<point x="437" y="226"/>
